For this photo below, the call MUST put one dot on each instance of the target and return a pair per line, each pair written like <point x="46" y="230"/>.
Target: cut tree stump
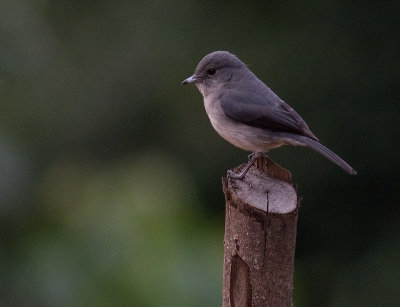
<point x="260" y="237"/>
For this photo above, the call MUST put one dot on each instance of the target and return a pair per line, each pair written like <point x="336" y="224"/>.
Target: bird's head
<point x="216" y="69"/>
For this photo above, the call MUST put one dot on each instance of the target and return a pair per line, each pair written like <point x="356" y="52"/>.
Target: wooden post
<point x="260" y="237"/>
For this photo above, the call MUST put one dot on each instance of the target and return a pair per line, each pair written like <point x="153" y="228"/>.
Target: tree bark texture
<point x="260" y="237"/>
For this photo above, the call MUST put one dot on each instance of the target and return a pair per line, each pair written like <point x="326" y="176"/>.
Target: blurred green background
<point x="110" y="173"/>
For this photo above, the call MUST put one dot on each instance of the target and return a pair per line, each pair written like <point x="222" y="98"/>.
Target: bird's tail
<point x="327" y="153"/>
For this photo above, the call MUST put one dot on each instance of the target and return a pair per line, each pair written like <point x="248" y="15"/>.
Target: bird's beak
<point x="192" y="79"/>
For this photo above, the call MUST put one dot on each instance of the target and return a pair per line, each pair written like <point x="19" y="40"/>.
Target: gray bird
<point x="248" y="114"/>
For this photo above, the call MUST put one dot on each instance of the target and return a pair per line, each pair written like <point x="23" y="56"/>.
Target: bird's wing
<point x="266" y="111"/>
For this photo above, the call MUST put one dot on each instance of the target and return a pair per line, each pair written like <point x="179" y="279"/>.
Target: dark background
<point x="110" y="172"/>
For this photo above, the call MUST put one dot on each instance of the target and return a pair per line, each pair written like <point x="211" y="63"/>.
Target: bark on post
<point x="260" y="237"/>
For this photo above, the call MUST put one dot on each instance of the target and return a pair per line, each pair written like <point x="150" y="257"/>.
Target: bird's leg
<point x="252" y="158"/>
<point x="265" y="160"/>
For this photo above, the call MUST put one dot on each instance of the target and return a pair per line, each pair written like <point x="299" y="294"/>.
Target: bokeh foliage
<point x="110" y="191"/>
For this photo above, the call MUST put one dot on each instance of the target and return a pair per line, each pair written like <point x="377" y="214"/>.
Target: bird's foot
<point x="252" y="157"/>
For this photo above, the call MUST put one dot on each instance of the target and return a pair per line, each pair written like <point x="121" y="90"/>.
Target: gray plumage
<point x="247" y="113"/>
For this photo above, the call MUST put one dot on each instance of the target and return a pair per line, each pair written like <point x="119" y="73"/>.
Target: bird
<point x="248" y="114"/>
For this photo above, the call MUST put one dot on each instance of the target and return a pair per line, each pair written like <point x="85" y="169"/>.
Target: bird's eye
<point x="211" y="71"/>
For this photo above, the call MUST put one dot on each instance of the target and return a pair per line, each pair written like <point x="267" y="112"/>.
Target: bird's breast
<point x="241" y="135"/>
